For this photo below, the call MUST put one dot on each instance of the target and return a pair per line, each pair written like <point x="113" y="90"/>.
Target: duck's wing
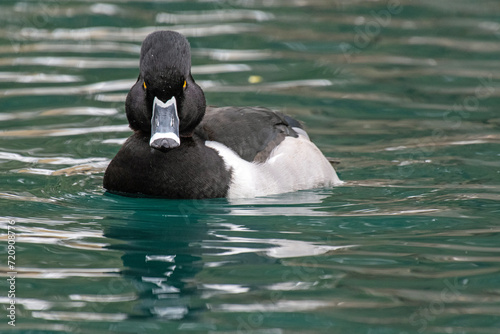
<point x="251" y="132"/>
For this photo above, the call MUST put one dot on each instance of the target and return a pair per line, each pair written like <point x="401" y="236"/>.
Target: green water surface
<point x="404" y="93"/>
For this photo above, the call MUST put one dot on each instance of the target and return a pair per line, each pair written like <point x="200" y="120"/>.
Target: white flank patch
<point x="296" y="164"/>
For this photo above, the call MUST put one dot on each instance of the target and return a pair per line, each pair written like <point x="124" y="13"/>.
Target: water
<point x="404" y="94"/>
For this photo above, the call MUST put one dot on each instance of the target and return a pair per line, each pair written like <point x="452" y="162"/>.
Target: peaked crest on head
<point x="165" y="50"/>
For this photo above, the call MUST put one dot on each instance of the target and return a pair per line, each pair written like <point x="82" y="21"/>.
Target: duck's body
<point x="180" y="149"/>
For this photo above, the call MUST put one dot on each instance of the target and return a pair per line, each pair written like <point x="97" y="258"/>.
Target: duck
<point x="182" y="149"/>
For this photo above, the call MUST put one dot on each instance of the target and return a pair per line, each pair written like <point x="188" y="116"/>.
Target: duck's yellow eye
<point x="144" y="85"/>
<point x="184" y="85"/>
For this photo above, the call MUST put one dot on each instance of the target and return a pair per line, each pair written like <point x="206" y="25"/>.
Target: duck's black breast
<point x="191" y="170"/>
<point x="252" y="132"/>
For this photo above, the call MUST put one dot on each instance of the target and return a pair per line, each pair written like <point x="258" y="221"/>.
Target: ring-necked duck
<point x="182" y="149"/>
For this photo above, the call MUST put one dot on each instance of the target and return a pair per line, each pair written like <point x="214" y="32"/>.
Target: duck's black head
<point x="165" y="103"/>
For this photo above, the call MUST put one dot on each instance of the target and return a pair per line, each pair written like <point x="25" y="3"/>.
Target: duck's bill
<point x="164" y="125"/>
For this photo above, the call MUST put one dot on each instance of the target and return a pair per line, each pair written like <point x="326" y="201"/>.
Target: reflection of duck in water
<point x="181" y="149"/>
<point x="162" y="255"/>
<point x="180" y="256"/>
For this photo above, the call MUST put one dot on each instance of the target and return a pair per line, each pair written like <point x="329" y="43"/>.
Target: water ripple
<point x="213" y="16"/>
<point x="125" y="34"/>
<point x="36" y="77"/>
